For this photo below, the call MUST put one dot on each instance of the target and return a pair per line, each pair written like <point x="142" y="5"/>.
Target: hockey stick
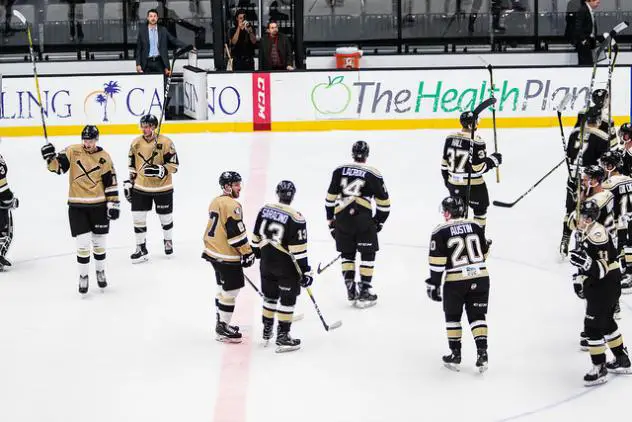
<point x="321" y="269"/>
<point x="477" y="111"/>
<point x="611" y="65"/>
<point x="511" y="204"/>
<point x="491" y="93"/>
<point x="295" y="317"/>
<point x="22" y="19"/>
<point x="560" y="108"/>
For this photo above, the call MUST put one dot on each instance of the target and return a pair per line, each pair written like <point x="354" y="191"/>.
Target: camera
<point x="246" y="24"/>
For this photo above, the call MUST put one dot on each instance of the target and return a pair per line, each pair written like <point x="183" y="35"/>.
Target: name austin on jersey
<point x="275" y="215"/>
<point x="461" y="229"/>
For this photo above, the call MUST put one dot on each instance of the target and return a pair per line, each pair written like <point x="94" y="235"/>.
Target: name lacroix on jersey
<point x="283" y="228"/>
<point x="455" y="165"/>
<point x="143" y="153"/>
<point x="92" y="176"/>
<point x="458" y="248"/>
<point x="357" y="183"/>
<point x="225" y="238"/>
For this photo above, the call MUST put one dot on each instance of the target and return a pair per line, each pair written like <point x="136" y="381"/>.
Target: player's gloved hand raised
<point x="581" y="260"/>
<point x="497" y="158"/>
<point x="307" y="279"/>
<point x="248" y="259"/>
<point x="433" y="291"/>
<point x="113" y="210"/>
<point x="127" y="190"/>
<point x="48" y="151"/>
<point x="155" y="170"/>
<point x="578" y="285"/>
<point x="332" y="228"/>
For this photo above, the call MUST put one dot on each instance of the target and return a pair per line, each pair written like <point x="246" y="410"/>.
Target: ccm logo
<point x="261" y="98"/>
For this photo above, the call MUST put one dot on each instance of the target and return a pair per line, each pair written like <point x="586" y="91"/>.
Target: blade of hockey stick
<point x="484" y="106"/>
<point x="335" y="325"/>
<point x="20" y="16"/>
<point x="181" y="51"/>
<point x="320" y="270"/>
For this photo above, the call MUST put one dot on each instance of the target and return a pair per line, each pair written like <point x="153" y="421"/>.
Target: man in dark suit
<point x="152" y="54"/>
<point x="275" y="50"/>
<point x="586" y="32"/>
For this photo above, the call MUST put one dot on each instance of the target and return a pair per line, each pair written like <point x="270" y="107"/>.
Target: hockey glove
<point x="127" y="190"/>
<point x="257" y="252"/>
<point x="247" y="260"/>
<point x="332" y="228"/>
<point x="307" y="280"/>
<point x="8" y="204"/>
<point x="434" y="291"/>
<point x="155" y="170"/>
<point x="578" y="285"/>
<point x="496" y="159"/>
<point x="378" y="226"/>
<point x="581" y="260"/>
<point x="113" y="210"/>
<point x="48" y="151"/>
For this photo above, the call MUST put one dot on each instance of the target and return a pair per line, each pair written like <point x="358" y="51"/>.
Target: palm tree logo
<point x="103" y="97"/>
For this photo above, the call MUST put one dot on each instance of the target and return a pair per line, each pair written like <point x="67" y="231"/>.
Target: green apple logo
<point x="332" y="97"/>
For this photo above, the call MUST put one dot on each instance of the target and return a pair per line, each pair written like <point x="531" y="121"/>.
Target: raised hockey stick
<point x="511" y="204"/>
<point x="22" y="19"/>
<point x="477" y="111"/>
<point x="295" y="317"/>
<point x="321" y="269"/>
<point x="611" y="65"/>
<point x="561" y="108"/>
<point x="492" y="87"/>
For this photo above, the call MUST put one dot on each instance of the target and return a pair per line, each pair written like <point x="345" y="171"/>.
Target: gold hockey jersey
<point x="225" y="238"/>
<point x="143" y="153"/>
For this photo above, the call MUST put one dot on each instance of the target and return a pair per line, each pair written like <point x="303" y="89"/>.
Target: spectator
<point x="8" y="13"/>
<point x="586" y="32"/>
<point x="152" y="54"/>
<point x="571" y="14"/>
<point x="275" y="50"/>
<point x="242" y="43"/>
<point x="75" y="17"/>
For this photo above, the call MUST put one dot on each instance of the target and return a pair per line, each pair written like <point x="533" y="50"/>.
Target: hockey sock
<point x="83" y="253"/>
<point x="98" y="251"/>
<point x="140" y="226"/>
<point x="597" y="349"/>
<point x="481" y="219"/>
<point x="366" y="269"/>
<point x="479" y="332"/>
<point x="348" y="266"/>
<point x="628" y="257"/>
<point x="454" y="331"/>
<point x="166" y="220"/>
<point x="226" y="304"/>
<point x="285" y="310"/>
<point x="269" y="310"/>
<point x="615" y="342"/>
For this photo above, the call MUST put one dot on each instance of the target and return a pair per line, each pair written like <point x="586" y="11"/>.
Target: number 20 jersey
<point x="459" y="249"/>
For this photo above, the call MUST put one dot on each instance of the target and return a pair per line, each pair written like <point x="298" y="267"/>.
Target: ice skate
<point x="352" y="291"/>
<point x="597" y="375"/>
<point x="226" y="333"/>
<point x="620" y="364"/>
<point x="168" y="247"/>
<point x="285" y="343"/>
<point x="141" y="254"/>
<point x="626" y="284"/>
<point x="101" y="281"/>
<point x="453" y="360"/>
<point x="83" y="284"/>
<point x="366" y="299"/>
<point x="267" y="333"/>
<point x="4" y="263"/>
<point x="481" y="360"/>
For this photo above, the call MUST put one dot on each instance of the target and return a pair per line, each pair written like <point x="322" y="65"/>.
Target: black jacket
<point x="164" y="39"/>
<point x="584" y="27"/>
<point x="285" y="51"/>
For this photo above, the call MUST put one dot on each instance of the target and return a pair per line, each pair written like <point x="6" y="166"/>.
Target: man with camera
<point x="242" y="43"/>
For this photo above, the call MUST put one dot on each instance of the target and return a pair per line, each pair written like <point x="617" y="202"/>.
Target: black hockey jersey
<point x="280" y="238"/>
<point x="458" y="248"/>
<point x="356" y="185"/>
<point x="455" y="163"/>
<point x="599" y="246"/>
<point x="6" y="196"/>
<point x="607" y="127"/>
<point x="627" y="162"/>
<point x="595" y="144"/>
<point x="621" y="188"/>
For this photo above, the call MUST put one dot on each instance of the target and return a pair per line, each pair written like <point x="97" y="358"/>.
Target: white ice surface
<point x="144" y="350"/>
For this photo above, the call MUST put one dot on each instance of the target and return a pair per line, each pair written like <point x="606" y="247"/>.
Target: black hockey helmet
<point x="285" y="190"/>
<point x="599" y="97"/>
<point x="454" y="205"/>
<point x="595" y="172"/>
<point x="468" y="119"/>
<point x="593" y="115"/>
<point x="360" y="150"/>
<point x="589" y="209"/>
<point x="90" y="132"/>
<point x="229" y="177"/>
<point x="625" y="132"/>
<point x="612" y="158"/>
<point x="149" y="119"/>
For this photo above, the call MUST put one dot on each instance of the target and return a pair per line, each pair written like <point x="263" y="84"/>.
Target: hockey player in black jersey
<point x="458" y="249"/>
<point x="625" y="137"/>
<point x="280" y="241"/>
<point x="601" y="99"/>
<point x="598" y="281"/>
<point x="8" y="202"/>
<point x="594" y="145"/>
<point x="459" y="170"/>
<point x="348" y="206"/>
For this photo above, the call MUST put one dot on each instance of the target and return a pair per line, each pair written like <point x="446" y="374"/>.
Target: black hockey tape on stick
<point x="490" y="69"/>
<point x="484" y="106"/>
<point x="511" y="204"/>
<point x="182" y="51"/>
<point x="321" y="269"/>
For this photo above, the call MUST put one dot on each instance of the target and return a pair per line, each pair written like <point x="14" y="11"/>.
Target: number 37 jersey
<point x="459" y="249"/>
<point x="225" y="238"/>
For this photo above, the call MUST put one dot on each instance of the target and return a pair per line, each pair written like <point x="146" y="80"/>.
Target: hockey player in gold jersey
<point x="8" y="202"/>
<point x="152" y="162"/>
<point x="226" y="247"/>
<point x="92" y="198"/>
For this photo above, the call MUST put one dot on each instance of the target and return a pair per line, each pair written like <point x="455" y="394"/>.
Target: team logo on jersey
<point x="331" y="97"/>
<point x="103" y="98"/>
<point x="237" y="211"/>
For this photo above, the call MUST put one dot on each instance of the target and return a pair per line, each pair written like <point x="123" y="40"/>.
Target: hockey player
<point x="8" y="202"/>
<point x="152" y="162"/>
<point x="280" y="241"/>
<point x="92" y="198"/>
<point x="601" y="99"/>
<point x="594" y="145"/>
<point x="625" y="137"/>
<point x="459" y="170"/>
<point x="621" y="188"/>
<point x="459" y="249"/>
<point x="352" y="223"/>
<point x="226" y="247"/>
<point x="598" y="281"/>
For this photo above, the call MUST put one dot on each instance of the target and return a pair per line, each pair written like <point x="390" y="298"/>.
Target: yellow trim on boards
<point x="301" y="126"/>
